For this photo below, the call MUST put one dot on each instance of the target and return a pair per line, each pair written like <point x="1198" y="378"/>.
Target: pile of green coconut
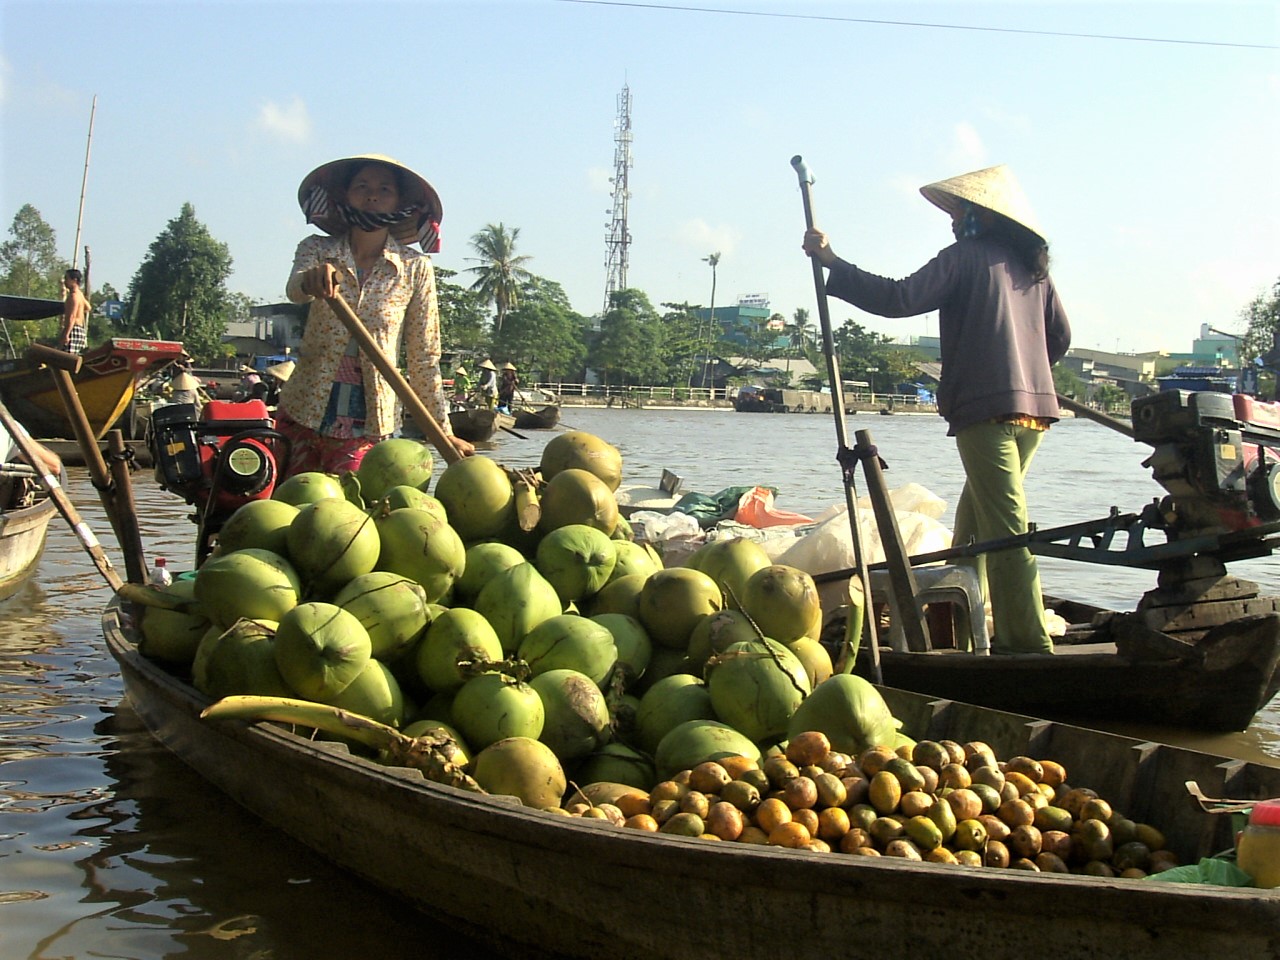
<point x="510" y="617"/>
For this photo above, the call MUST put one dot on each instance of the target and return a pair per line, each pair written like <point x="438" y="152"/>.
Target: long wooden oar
<point x="60" y="500"/>
<point x="412" y="402"/>
<point x="842" y="436"/>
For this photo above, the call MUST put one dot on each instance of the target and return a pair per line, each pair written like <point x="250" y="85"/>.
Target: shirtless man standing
<point x="75" y="314"/>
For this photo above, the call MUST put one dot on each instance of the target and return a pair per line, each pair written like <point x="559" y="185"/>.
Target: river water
<point x="110" y="847"/>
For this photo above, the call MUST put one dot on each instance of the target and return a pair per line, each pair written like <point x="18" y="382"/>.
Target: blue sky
<point x="1152" y="165"/>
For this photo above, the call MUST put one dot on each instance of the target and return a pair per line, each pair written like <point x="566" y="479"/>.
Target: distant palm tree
<point x="501" y="272"/>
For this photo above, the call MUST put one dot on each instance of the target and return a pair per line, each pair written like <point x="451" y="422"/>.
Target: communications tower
<point x="617" y="235"/>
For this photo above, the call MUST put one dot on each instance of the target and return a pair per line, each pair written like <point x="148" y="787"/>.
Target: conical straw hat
<point x="995" y="188"/>
<point x="282" y="371"/>
<point x="185" y="381"/>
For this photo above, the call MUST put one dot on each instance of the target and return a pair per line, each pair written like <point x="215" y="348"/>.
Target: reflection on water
<point x="110" y="846"/>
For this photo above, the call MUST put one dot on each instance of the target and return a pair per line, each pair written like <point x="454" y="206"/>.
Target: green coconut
<point x="697" y="741"/>
<point x="756" y="686"/>
<point x="570" y="642"/>
<point x="783" y="601"/>
<point x="494" y="706"/>
<point x="850" y="711"/>
<point x="331" y="542"/>
<point x="576" y="717"/>
<point x="455" y="636"/>
<point x="620" y="595"/>
<point x="814" y="656"/>
<point x="730" y="563"/>
<point x="576" y="559"/>
<point x="577" y="449"/>
<point x="419" y="545"/>
<point x="320" y="649"/>
<point x="515" y="601"/>
<point x="672" y="602"/>
<point x="484" y="561"/>
<point x="374" y="693"/>
<point x="665" y="662"/>
<point x="478" y="498"/>
<point x="263" y="524"/>
<point x="394" y="462"/>
<point x="668" y="703"/>
<point x="578" y="496"/>
<point x="239" y="661"/>
<point x="634" y="558"/>
<point x="171" y="635"/>
<point x="716" y="631"/>
<point x="252" y="584"/>
<point x="617" y="763"/>
<point x="392" y="608"/>
<point x="521" y="767"/>
<point x="304" y="488"/>
<point x="404" y="496"/>
<point x="631" y="640"/>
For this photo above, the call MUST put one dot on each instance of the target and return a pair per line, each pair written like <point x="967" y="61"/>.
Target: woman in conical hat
<point x="1002" y="329"/>
<point x="336" y="405"/>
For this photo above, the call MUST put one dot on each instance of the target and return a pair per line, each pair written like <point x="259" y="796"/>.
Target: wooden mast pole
<point x="84" y="181"/>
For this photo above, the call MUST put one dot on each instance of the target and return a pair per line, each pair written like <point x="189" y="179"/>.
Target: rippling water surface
<point x="111" y="847"/>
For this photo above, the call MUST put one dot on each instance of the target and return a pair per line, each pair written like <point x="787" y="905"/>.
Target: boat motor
<point x="1218" y="455"/>
<point x="217" y="459"/>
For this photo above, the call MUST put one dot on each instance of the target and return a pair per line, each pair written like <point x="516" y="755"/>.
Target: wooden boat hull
<point x="1236" y="674"/>
<point x="22" y="539"/>
<point x="539" y="884"/>
<point x="105" y="385"/>
<point x="477" y="424"/>
<point x="537" y="418"/>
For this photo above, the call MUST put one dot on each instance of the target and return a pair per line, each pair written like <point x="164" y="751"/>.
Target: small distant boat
<point x="757" y="399"/>
<point x="108" y="378"/>
<point x="25" y="512"/>
<point x="478" y="424"/>
<point x="535" y="409"/>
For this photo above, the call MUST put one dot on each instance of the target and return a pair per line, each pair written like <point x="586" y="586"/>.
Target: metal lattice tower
<point x="617" y="236"/>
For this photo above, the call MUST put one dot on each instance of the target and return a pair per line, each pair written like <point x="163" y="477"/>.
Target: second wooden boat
<point x="25" y="512"/>
<point x="105" y="384"/>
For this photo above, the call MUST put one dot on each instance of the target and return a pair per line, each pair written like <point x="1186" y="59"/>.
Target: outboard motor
<point x="218" y="460"/>
<point x="1217" y="454"/>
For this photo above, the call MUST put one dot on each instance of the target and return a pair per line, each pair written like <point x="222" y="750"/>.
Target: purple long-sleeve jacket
<point x="1001" y="332"/>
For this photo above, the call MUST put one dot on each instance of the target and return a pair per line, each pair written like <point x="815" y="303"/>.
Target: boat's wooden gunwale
<point x="541" y="884"/>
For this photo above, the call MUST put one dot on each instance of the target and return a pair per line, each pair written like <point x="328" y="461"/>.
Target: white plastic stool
<point x="942" y="584"/>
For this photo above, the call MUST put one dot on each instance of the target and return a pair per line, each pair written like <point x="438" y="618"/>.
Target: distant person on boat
<point x="185" y="388"/>
<point x="487" y="388"/>
<point x="75" y="314"/>
<point x="507" y="384"/>
<point x="461" y="383"/>
<point x="1002" y="329"/>
<point x="336" y="405"/>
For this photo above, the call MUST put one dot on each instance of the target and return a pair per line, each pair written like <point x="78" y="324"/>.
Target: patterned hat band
<point x="322" y="209"/>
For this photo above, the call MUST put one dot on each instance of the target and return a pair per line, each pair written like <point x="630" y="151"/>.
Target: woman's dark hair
<point x="355" y="168"/>
<point x="1027" y="245"/>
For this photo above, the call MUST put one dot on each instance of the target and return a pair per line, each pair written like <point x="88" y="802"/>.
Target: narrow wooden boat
<point x="757" y="399"/>
<point x="106" y="384"/>
<point x="536" y="418"/>
<point x="478" y="424"/>
<point x="25" y="512"/>
<point x="531" y="883"/>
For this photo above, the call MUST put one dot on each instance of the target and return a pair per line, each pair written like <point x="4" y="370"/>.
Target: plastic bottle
<point x="160" y="575"/>
<point x="1258" y="852"/>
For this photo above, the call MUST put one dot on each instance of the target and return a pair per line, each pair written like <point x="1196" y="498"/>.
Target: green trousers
<point x="993" y="506"/>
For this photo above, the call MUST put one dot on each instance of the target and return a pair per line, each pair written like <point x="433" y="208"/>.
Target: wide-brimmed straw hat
<point x="487" y="364"/>
<point x="995" y="188"/>
<point x="283" y="370"/>
<point x="185" y="381"/>
<point x="327" y="183"/>
<point x="508" y="365"/>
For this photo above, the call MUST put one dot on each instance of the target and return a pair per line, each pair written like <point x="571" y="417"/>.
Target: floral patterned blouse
<point x="397" y="303"/>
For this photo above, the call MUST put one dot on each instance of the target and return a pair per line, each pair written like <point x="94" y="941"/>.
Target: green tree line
<point x="501" y="309"/>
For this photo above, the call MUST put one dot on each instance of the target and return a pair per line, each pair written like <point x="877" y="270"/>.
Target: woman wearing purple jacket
<point x="1002" y="329"/>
